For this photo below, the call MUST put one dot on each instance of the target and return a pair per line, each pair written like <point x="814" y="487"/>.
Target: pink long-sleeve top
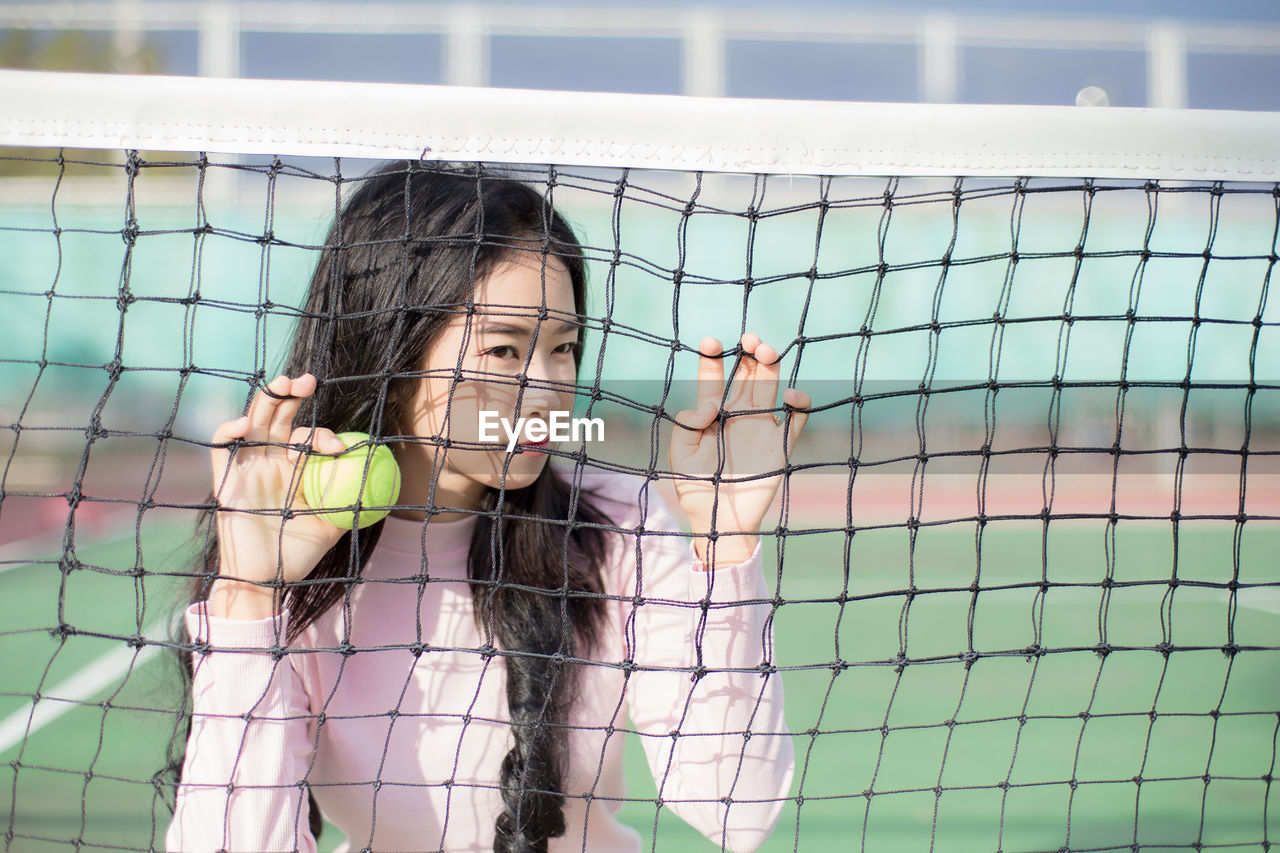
<point x="402" y="751"/>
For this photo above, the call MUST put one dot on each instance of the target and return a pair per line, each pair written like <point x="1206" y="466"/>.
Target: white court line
<point x="105" y="672"/>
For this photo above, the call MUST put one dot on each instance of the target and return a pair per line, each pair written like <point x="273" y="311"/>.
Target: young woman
<point x="461" y="675"/>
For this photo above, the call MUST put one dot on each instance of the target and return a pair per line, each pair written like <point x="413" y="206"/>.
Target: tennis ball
<point x="335" y="481"/>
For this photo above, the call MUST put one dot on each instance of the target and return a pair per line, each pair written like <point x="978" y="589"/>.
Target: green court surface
<point x="1010" y="750"/>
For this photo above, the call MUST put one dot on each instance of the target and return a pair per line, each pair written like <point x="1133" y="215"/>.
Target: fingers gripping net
<point x="1019" y="577"/>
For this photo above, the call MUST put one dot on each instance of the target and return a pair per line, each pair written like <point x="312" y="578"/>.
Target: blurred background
<point x="1162" y="53"/>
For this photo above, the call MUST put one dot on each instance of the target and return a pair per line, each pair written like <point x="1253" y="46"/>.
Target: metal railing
<point x="704" y="31"/>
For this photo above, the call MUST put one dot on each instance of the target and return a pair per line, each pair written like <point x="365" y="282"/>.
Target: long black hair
<point x="404" y="256"/>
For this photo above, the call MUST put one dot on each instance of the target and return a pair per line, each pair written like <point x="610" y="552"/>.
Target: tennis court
<point x="1008" y="751"/>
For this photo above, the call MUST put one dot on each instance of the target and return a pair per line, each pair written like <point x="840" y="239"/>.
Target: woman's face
<point x="490" y="349"/>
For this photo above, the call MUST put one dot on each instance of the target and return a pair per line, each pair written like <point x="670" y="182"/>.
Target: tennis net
<point x="1021" y="573"/>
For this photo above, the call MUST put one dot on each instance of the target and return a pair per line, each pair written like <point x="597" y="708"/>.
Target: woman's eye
<point x="568" y="347"/>
<point x="502" y="352"/>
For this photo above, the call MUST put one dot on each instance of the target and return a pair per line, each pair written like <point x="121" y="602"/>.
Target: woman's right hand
<point x="254" y="486"/>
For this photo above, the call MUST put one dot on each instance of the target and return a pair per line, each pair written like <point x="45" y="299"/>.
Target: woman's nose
<point x="544" y="387"/>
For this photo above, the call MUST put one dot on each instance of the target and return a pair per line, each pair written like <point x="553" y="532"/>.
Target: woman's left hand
<point x="727" y="473"/>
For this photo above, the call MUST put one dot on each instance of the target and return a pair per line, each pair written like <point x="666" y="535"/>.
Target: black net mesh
<point x="1019" y="581"/>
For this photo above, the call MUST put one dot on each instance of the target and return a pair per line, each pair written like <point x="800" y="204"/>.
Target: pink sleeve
<point x="709" y="713"/>
<point x="250" y="745"/>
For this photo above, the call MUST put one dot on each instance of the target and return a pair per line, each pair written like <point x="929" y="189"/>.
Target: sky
<point x="1238" y="10"/>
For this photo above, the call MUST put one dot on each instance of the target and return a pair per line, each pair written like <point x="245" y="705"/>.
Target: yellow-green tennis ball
<point x="334" y="482"/>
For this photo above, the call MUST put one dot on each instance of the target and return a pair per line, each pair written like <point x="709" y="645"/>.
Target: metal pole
<point x="939" y="59"/>
<point x="704" y="54"/>
<point x="1166" y="66"/>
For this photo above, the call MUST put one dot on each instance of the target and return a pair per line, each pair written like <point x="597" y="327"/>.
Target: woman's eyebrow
<point x="489" y="327"/>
